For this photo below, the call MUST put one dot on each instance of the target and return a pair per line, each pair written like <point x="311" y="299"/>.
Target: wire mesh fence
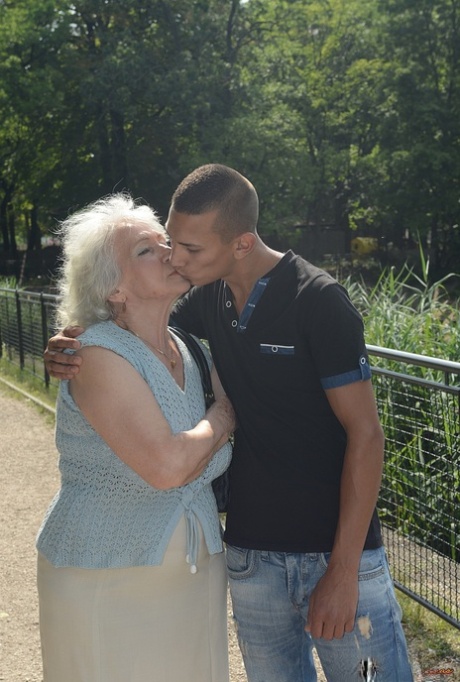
<point x="419" y="404"/>
<point x="26" y="323"/>
<point x="420" y="495"/>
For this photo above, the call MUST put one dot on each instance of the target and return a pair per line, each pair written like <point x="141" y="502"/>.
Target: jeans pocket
<point x="241" y="562"/>
<point x="372" y="564"/>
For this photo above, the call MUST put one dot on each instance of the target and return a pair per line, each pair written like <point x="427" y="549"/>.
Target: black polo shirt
<point x="297" y="335"/>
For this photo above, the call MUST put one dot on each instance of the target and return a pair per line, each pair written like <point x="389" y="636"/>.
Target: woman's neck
<point x="151" y="327"/>
<point x="150" y="324"/>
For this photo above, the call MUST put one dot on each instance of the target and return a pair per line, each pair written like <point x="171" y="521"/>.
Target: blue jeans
<point x="270" y="592"/>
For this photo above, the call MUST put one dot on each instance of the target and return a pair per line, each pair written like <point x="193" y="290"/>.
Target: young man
<point x="304" y="550"/>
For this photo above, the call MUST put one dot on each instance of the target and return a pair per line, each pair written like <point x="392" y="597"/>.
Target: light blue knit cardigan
<point x="105" y="515"/>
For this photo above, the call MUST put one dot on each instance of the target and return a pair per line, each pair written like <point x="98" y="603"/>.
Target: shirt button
<point x="234" y="323"/>
<point x="228" y="304"/>
<point x="274" y="349"/>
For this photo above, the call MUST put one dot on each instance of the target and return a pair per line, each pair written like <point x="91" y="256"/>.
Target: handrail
<point x="414" y="359"/>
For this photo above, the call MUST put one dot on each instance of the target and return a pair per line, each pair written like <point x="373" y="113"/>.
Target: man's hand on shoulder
<point x="58" y="364"/>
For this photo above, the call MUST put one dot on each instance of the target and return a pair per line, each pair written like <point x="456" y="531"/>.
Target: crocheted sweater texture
<point x="105" y="515"/>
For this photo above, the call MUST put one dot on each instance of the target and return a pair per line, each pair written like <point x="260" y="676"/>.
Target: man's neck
<point x="250" y="270"/>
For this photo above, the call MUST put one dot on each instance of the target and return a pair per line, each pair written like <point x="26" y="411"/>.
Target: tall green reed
<point x="403" y="311"/>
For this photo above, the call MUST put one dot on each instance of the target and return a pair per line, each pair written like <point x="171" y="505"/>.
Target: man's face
<point x="198" y="253"/>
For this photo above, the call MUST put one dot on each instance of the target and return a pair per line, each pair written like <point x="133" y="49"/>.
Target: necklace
<point x="171" y="360"/>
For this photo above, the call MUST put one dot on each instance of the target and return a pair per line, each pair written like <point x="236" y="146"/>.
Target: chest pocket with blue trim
<point x="275" y="349"/>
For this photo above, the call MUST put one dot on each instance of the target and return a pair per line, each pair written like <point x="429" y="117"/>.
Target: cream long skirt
<point x="142" y="624"/>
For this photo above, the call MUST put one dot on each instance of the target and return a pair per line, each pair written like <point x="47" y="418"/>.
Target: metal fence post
<point x="20" y="337"/>
<point x="44" y="334"/>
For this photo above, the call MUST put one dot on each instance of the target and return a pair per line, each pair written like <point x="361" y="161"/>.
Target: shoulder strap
<point x="200" y="359"/>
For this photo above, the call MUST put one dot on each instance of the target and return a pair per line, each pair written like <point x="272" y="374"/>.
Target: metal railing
<point x="26" y="324"/>
<point x="419" y="405"/>
<point x="419" y="504"/>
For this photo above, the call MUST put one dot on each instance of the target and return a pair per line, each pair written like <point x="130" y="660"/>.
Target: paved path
<point x="28" y="480"/>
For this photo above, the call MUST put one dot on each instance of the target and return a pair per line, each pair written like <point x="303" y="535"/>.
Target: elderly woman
<point x="131" y="571"/>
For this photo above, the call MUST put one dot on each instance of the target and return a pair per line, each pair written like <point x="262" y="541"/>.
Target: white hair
<point x="89" y="271"/>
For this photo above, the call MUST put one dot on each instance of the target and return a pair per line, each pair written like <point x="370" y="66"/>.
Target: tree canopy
<point x="342" y="113"/>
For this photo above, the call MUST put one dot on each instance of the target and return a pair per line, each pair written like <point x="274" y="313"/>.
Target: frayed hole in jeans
<point x="368" y="670"/>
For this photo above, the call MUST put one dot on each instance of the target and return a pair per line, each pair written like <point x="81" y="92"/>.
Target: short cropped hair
<point x="217" y="187"/>
<point x="89" y="272"/>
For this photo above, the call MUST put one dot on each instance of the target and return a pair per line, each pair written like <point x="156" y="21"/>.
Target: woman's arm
<point x="120" y="406"/>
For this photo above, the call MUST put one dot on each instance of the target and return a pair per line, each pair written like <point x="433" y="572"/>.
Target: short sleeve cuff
<point x="362" y="373"/>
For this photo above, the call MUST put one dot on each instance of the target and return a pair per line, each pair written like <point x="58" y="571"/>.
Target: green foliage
<point x="341" y="113"/>
<point x="404" y="312"/>
<point x="28" y="384"/>
<point x="7" y="283"/>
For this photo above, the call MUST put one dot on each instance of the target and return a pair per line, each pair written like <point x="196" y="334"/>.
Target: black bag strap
<point x="197" y="353"/>
<point x="221" y="484"/>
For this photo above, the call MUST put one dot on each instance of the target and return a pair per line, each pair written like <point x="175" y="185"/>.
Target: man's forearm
<point x="360" y="485"/>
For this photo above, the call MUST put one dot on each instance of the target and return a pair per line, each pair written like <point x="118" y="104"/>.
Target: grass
<point x="404" y="311"/>
<point x="28" y="387"/>
<point x="433" y="642"/>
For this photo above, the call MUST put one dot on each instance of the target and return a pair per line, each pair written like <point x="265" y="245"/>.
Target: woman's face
<point x="143" y="257"/>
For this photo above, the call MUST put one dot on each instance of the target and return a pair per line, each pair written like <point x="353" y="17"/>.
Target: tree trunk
<point x="34" y="236"/>
<point x="8" y="237"/>
<point x="7" y="219"/>
<point x="119" y="164"/>
<point x="104" y="151"/>
<point x="4" y="225"/>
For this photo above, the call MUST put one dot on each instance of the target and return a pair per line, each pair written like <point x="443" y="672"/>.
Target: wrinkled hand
<point x="58" y="364"/>
<point x="333" y="604"/>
